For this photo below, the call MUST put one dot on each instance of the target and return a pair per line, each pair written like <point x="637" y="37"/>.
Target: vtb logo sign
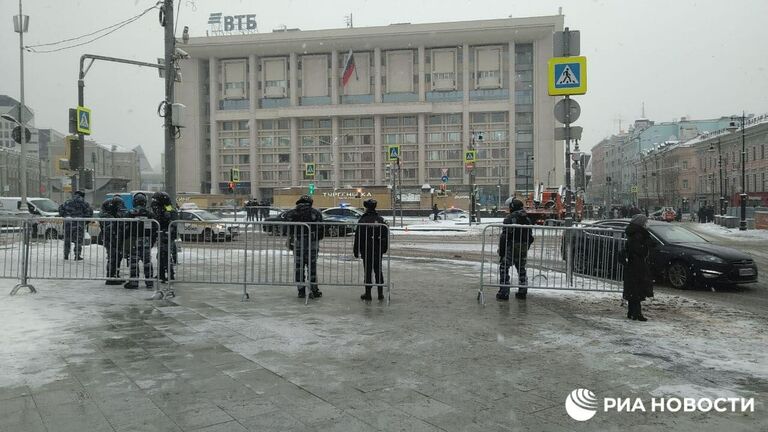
<point x="581" y="405"/>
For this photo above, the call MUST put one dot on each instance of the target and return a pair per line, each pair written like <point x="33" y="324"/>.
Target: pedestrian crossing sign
<point x="470" y="156"/>
<point x="567" y="76"/>
<point x="309" y="170"/>
<point x="83" y="120"/>
<point x="393" y="152"/>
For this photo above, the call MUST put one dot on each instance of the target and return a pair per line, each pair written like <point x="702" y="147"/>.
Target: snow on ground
<point x="750" y="235"/>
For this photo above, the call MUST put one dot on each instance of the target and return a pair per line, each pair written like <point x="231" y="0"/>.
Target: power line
<point x="113" y="28"/>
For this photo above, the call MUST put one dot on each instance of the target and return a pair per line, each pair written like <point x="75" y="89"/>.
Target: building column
<point x="253" y="94"/>
<point x="378" y="151"/>
<point x="334" y="78"/>
<point x="377" y="75"/>
<point x="213" y="79"/>
<point x="421" y="142"/>
<point x="335" y="153"/>
<point x="465" y="126"/>
<point x="548" y="153"/>
<point x="511" y="132"/>
<point x="293" y="75"/>
<point x="295" y="157"/>
<point x="422" y="71"/>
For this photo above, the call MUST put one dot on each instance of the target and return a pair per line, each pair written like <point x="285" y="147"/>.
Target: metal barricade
<point x="337" y="264"/>
<point x="95" y="249"/>
<point x="15" y="235"/>
<point x="555" y="257"/>
<point x="236" y="253"/>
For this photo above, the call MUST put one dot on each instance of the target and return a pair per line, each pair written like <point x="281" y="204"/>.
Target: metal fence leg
<point x="245" y="296"/>
<point x="24" y="262"/>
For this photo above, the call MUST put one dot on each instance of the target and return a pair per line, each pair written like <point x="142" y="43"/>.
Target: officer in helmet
<point x="142" y="236"/>
<point x="113" y="234"/>
<point x="74" y="231"/>
<point x="514" y="242"/>
<point x="305" y="245"/>
<point x="165" y="213"/>
<point x="371" y="242"/>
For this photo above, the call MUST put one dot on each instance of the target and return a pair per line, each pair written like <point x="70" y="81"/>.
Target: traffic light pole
<point x="23" y="134"/>
<point x="170" y="77"/>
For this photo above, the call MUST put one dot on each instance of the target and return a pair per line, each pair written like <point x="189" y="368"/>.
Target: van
<point x="37" y="206"/>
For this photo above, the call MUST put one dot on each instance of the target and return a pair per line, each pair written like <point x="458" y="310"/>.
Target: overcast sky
<point x="699" y="59"/>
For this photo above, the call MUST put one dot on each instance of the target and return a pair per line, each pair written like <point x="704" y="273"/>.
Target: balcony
<point x="275" y="103"/>
<point x="315" y="100"/>
<point x="444" y="96"/>
<point x="357" y="99"/>
<point x="494" y="94"/>
<point x="234" y="104"/>
<point x="399" y="97"/>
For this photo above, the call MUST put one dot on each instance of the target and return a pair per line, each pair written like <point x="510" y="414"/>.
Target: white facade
<point x="270" y="103"/>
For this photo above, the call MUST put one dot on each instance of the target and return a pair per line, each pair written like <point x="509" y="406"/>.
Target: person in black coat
<point x="305" y="245"/>
<point x="74" y="231"/>
<point x="113" y="236"/>
<point x="638" y="279"/>
<point x="165" y="212"/>
<point x="514" y="243"/>
<point x="371" y="242"/>
<point x="141" y="235"/>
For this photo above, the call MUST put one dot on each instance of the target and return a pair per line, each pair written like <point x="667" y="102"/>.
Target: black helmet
<point x="161" y="198"/>
<point x="370" y="204"/>
<point x="80" y="193"/>
<point x="305" y="199"/>
<point x="140" y="199"/>
<point x="515" y="205"/>
<point x="117" y="202"/>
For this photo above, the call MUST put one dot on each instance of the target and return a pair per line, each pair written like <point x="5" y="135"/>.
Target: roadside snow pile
<point x="710" y="228"/>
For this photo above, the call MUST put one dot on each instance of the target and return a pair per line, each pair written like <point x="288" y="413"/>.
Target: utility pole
<point x="170" y="77"/>
<point x="21" y="25"/>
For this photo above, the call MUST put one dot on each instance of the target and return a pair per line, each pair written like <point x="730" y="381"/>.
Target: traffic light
<point x="231" y="187"/>
<point x="76" y="154"/>
<point x="72" y="121"/>
<point x="87" y="179"/>
<point x="311" y="189"/>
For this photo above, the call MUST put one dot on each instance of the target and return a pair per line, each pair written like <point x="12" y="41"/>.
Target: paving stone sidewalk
<point x="81" y="356"/>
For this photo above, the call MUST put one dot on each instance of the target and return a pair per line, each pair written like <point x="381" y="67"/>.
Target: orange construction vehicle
<point x="547" y="204"/>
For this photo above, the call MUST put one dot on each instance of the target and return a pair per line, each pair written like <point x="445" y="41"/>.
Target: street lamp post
<point x="743" y="195"/>
<point x="720" y="169"/>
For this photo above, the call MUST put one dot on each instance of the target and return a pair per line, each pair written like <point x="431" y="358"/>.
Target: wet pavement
<point x="81" y="356"/>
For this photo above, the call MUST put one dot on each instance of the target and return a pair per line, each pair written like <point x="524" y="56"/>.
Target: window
<point x="435" y="119"/>
<point x="453" y="136"/>
<point x="366" y="122"/>
<point x="244" y="159"/>
<point x="488" y="68"/>
<point x="390" y="139"/>
<point x="267" y="158"/>
<point x="479" y="117"/>
<point x="244" y="142"/>
<point x="325" y="123"/>
<point x="685" y="184"/>
<point x="284" y="158"/>
<point x="685" y="166"/>
<point x="367" y="140"/>
<point x="283" y="124"/>
<point x="392" y="121"/>
<point x="399" y="71"/>
<point x="360" y="81"/>
<point x="435" y="137"/>
<point x="325" y="140"/>
<point x="227" y="159"/>
<point x="443" y="69"/>
<point x="349" y="122"/>
<point x="409" y="121"/>
<point x="274" y="77"/>
<point x="307" y="157"/>
<point x="307" y="141"/>
<point x="409" y="138"/>
<point x="523" y="118"/>
<point x="227" y="126"/>
<point x="307" y="124"/>
<point x="242" y="125"/>
<point x="234" y="78"/>
<point x="314" y="75"/>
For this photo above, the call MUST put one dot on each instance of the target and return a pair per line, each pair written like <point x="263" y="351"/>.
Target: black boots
<point x="302" y="293"/>
<point x="314" y="292"/>
<point x="634" y="311"/>
<point x="367" y="295"/>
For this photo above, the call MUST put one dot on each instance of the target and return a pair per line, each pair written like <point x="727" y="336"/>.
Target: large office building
<point x="268" y="104"/>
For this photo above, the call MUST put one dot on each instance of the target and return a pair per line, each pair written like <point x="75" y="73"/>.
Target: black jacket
<point x="304" y="213"/>
<point x="144" y="229"/>
<point x="371" y="240"/>
<point x="164" y="215"/>
<point x="638" y="281"/>
<point x="511" y="236"/>
<point x="113" y="230"/>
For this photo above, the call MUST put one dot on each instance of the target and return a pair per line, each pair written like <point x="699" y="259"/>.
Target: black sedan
<point x="682" y="257"/>
<point x="345" y="226"/>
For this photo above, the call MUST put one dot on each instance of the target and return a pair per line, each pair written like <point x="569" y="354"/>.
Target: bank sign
<point x="221" y="24"/>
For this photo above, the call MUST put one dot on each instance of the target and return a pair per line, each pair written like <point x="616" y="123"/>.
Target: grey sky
<point x="682" y="58"/>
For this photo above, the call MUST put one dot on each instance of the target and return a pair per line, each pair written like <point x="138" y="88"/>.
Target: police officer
<point x="165" y="213"/>
<point x="75" y="207"/>
<point x="514" y="242"/>
<point x="141" y="238"/>
<point x="371" y="242"/>
<point x="305" y="245"/>
<point x="113" y="233"/>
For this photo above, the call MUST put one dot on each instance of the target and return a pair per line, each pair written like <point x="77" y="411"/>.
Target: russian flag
<point x="349" y="67"/>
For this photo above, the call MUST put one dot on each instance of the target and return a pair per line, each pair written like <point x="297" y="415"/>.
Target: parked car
<point x="346" y="216"/>
<point x="201" y="225"/>
<point x="681" y="257"/>
<point x="36" y="206"/>
<point x="453" y="214"/>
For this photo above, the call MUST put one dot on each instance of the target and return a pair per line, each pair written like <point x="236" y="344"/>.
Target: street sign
<point x="445" y="171"/>
<point x="634" y="189"/>
<point x="83" y="120"/>
<point x="574" y="43"/>
<point x="575" y="133"/>
<point x="16" y="134"/>
<point x="26" y="113"/>
<point x="567" y="76"/>
<point x="470" y="157"/>
<point x="444" y="179"/>
<point x="393" y="152"/>
<point x="309" y="170"/>
<point x="234" y="175"/>
<point x="564" y="106"/>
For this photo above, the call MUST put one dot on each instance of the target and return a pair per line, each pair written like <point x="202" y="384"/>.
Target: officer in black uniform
<point x="305" y="245"/>
<point x="74" y="231"/>
<point x="113" y="233"/>
<point x="142" y="237"/>
<point x="371" y="242"/>
<point x="513" y="250"/>
<point x="165" y="213"/>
